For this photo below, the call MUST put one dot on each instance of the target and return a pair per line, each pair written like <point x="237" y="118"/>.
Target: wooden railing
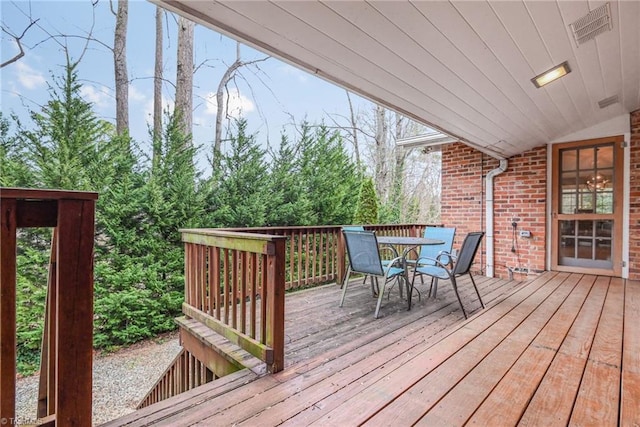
<point x="234" y="284"/>
<point x="316" y="254"/>
<point x="66" y="362"/>
<point x="185" y="373"/>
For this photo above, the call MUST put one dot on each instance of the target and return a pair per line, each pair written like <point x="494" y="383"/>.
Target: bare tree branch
<point x="18" y="40"/>
<point x="227" y="77"/>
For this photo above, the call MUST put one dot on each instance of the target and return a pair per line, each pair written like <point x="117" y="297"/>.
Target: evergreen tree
<point x="14" y="172"/>
<point x="288" y="202"/>
<point x="367" y="207"/>
<point x="238" y="190"/>
<point x="68" y="145"/>
<point x="140" y="279"/>
<point x="330" y="176"/>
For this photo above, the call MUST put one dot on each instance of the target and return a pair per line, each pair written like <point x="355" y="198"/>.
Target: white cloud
<point x="28" y="77"/>
<point x="98" y="97"/>
<point x="136" y="95"/>
<point x="237" y="103"/>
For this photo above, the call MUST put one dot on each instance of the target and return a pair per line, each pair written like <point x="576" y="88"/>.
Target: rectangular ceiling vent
<point x="592" y="24"/>
<point x="603" y="103"/>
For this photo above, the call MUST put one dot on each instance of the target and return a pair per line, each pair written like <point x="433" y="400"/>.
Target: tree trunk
<point x="228" y="75"/>
<point x="381" y="152"/>
<point x="184" y="75"/>
<point x="157" y="91"/>
<point x="354" y="129"/>
<point x="120" y="65"/>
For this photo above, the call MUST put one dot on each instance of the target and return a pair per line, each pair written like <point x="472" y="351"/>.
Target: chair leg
<point x="344" y="285"/>
<point x="455" y="288"/>
<point x="411" y="287"/>
<point x="380" y="295"/>
<point x="476" y="288"/>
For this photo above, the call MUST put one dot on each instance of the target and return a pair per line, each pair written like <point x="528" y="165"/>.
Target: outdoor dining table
<point x="409" y="243"/>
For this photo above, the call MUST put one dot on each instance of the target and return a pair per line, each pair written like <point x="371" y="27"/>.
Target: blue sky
<point x="268" y="97"/>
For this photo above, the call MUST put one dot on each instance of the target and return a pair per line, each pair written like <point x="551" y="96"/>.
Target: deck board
<point x="562" y="348"/>
<point x="630" y="409"/>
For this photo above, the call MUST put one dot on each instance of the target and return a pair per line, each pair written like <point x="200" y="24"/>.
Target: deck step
<point x="216" y="352"/>
<point x="184" y="401"/>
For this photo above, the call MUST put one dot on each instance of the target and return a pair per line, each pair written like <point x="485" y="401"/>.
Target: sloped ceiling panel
<point x="462" y="67"/>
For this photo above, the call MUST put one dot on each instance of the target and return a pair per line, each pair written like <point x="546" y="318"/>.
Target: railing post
<point x="47" y="385"/>
<point x="74" y="329"/>
<point x="8" y="224"/>
<point x="275" y="304"/>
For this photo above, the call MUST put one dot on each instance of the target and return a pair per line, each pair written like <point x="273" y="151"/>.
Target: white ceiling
<point x="462" y="67"/>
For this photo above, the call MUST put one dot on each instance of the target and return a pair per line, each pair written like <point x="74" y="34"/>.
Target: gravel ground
<point x="120" y="379"/>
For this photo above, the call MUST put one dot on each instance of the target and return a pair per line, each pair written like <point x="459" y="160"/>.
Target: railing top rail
<point x="328" y="227"/>
<point x="45" y="194"/>
<point x="250" y="242"/>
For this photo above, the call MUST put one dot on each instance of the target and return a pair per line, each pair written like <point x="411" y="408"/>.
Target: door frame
<point x="618" y="214"/>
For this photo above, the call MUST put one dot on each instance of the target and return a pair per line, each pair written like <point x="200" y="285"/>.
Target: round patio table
<point x="409" y="243"/>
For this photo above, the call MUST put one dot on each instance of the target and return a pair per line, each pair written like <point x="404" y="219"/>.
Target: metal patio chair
<point x="353" y="228"/>
<point x="364" y="257"/>
<point x="435" y="267"/>
<point x="440" y="252"/>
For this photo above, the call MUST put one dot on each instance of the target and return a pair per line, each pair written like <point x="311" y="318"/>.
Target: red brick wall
<point x="634" y="211"/>
<point x="462" y="197"/>
<point x="519" y="195"/>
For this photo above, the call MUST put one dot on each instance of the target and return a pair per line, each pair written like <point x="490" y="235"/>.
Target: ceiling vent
<point x="592" y="24"/>
<point x="603" y="103"/>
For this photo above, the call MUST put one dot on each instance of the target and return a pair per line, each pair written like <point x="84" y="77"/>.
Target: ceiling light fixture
<point x="551" y="75"/>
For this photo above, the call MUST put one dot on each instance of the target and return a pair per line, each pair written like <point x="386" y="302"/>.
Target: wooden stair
<point x="206" y="356"/>
<point x="217" y="353"/>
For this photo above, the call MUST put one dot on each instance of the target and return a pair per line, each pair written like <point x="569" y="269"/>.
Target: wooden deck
<point x="560" y="349"/>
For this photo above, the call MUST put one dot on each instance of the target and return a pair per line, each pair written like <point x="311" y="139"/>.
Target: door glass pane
<point x="605" y="156"/>
<point x="567" y="228"/>
<point x="567" y="247"/>
<point x="585" y="249"/>
<point x="603" y="228"/>
<point x="585" y="228"/>
<point x="569" y="160"/>
<point x="603" y="249"/>
<point x="585" y="195"/>
<point x="604" y="202"/>
<point x="587" y="158"/>
<point x="569" y="193"/>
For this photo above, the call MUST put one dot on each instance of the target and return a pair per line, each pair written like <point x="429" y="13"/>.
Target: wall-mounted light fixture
<point x="551" y="75"/>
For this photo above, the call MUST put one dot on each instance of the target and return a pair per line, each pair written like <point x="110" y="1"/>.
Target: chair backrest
<point x="364" y="255"/>
<point x="353" y="228"/>
<point x="467" y="252"/>
<point x="446" y="234"/>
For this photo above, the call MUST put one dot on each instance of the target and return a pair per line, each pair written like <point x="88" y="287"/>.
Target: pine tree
<point x="238" y="190"/>
<point x="330" y="176"/>
<point x="288" y="203"/>
<point x="367" y="207"/>
<point x="67" y="147"/>
<point x="14" y="172"/>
